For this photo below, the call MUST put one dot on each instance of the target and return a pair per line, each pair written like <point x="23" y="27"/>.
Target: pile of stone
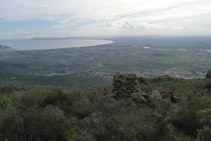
<point x="124" y="84"/>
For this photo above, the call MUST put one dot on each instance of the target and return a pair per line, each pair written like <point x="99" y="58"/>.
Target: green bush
<point x="205" y="116"/>
<point x="204" y="134"/>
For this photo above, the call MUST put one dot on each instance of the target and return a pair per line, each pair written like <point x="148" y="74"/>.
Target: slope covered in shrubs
<point x="104" y="113"/>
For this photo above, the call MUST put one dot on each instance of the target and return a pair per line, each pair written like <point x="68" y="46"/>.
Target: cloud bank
<point x="107" y="17"/>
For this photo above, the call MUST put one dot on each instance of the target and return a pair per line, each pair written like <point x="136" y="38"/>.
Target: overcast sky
<point x="62" y="18"/>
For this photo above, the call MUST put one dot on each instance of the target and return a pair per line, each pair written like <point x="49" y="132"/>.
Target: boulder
<point x="156" y="94"/>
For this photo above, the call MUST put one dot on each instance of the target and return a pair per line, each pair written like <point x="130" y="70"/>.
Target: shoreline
<point x="35" y="45"/>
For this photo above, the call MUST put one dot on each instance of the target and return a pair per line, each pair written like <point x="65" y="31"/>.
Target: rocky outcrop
<point x="126" y="85"/>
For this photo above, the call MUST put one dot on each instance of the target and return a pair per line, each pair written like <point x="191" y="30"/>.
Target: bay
<point x="46" y="44"/>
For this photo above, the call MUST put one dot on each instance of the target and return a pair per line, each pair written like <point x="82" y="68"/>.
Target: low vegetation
<point x="145" y="112"/>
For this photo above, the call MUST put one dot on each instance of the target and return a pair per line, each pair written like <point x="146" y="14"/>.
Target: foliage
<point x="204" y="134"/>
<point x="93" y="114"/>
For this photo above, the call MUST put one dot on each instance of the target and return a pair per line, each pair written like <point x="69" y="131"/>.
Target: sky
<point x="71" y="18"/>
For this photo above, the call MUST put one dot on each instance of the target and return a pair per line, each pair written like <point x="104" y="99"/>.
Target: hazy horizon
<point x="108" y="37"/>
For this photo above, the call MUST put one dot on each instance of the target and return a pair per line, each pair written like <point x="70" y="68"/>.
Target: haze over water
<point x="45" y="44"/>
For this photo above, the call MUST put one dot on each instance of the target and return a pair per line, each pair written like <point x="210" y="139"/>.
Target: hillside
<point x="133" y="108"/>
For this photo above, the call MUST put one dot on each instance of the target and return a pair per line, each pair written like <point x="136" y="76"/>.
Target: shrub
<point x="205" y="116"/>
<point x="204" y="134"/>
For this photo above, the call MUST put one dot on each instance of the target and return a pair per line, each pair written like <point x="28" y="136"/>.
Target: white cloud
<point x="99" y="17"/>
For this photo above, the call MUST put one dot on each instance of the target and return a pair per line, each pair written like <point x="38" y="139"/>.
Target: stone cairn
<point x="124" y="84"/>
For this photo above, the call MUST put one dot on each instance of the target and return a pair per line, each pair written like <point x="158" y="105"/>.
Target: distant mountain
<point x="61" y="38"/>
<point x="79" y="37"/>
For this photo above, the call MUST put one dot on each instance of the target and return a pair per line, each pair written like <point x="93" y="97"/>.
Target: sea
<point x="46" y="44"/>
